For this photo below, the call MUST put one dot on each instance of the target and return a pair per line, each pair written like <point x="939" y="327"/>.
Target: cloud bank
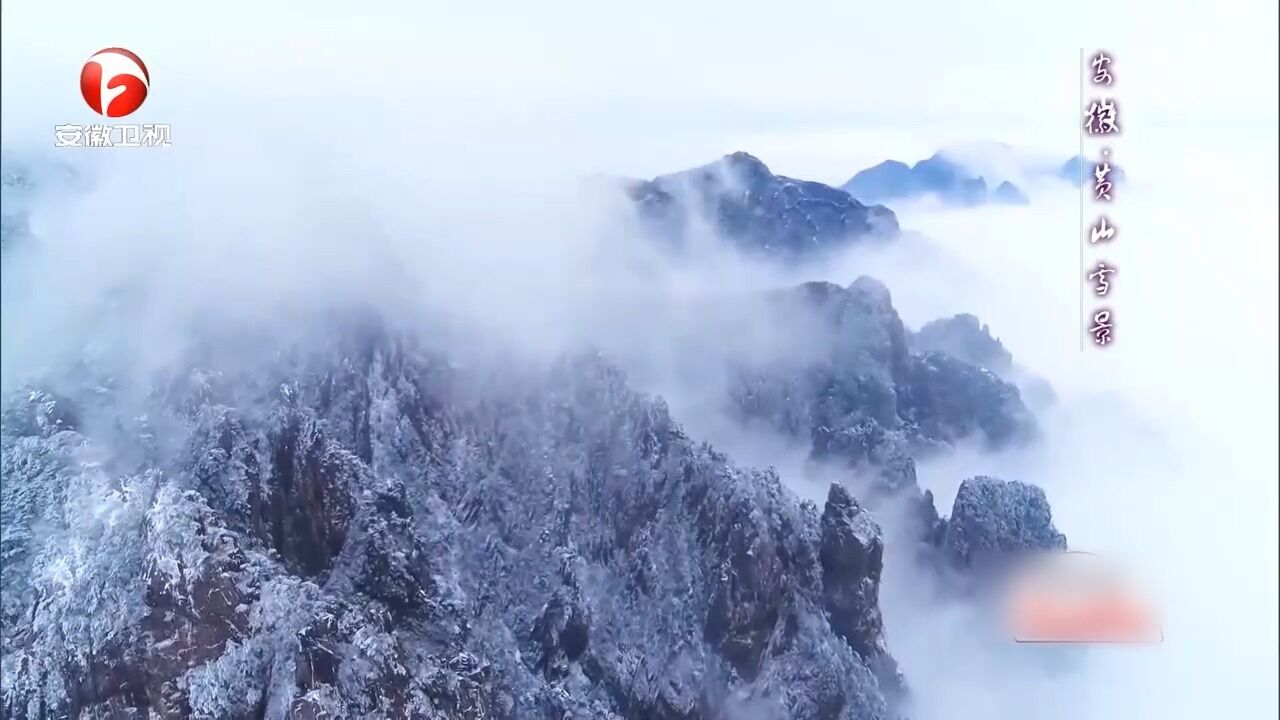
<point x="453" y="205"/>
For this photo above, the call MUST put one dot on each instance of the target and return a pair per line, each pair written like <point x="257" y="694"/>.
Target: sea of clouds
<point x="473" y="222"/>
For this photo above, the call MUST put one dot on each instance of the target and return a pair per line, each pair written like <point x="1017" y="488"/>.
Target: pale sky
<point x="817" y="89"/>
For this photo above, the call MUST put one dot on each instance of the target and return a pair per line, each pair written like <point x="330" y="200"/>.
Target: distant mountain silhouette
<point x="758" y="211"/>
<point x="938" y="175"/>
<point x="1072" y="172"/>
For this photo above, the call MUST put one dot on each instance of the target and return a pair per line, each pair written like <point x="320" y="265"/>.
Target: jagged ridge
<point x="739" y="199"/>
<point x="373" y="533"/>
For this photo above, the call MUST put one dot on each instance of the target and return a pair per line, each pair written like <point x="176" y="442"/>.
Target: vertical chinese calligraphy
<point x="1101" y="231"/>
<point x="1099" y="277"/>
<point x="1102" y="326"/>
<point x="1101" y="71"/>
<point x="1102" y="178"/>
<point x="1101" y="118"/>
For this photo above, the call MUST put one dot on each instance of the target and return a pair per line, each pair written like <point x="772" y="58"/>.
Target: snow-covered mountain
<point x="357" y="523"/>
<point x="737" y="198"/>
<point x="966" y="174"/>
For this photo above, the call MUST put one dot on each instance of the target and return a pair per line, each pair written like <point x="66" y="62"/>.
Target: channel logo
<point x="1078" y="597"/>
<point x="114" y="82"/>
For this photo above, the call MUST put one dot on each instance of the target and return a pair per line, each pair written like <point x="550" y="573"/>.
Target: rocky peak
<point x="740" y="200"/>
<point x="852" y="559"/>
<point x="965" y="338"/>
<point x="867" y="399"/>
<point x="994" y="520"/>
<point x="748" y="166"/>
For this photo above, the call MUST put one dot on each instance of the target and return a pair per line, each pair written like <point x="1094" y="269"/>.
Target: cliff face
<point x="866" y="399"/>
<point x="371" y="532"/>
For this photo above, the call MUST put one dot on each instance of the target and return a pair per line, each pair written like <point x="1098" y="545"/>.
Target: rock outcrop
<point x="969" y="340"/>
<point x="863" y="398"/>
<point x="965" y="338"/>
<point x="738" y="199"/>
<point x="994" y="521"/>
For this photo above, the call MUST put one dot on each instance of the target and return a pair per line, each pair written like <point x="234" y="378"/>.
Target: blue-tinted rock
<point x="852" y="559"/>
<point x="1077" y="170"/>
<point x="947" y="400"/>
<point x="994" y="520"/>
<point x="972" y="191"/>
<point x="757" y="211"/>
<point x="965" y="338"/>
<point x="938" y="176"/>
<point x="1008" y="194"/>
<point x="890" y="179"/>
<point x="866" y="399"/>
